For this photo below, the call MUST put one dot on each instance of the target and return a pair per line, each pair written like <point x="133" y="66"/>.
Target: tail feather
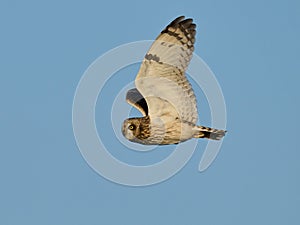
<point x="210" y="133"/>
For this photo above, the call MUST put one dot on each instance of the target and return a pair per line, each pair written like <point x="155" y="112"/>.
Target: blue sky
<point x="252" y="47"/>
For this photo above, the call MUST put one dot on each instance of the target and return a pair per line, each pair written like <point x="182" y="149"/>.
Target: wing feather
<point x="134" y="98"/>
<point x="161" y="78"/>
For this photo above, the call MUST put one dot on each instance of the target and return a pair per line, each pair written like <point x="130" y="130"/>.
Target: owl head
<point x="137" y="129"/>
<point x="131" y="128"/>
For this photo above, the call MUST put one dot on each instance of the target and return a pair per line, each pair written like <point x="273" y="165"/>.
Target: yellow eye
<point x="131" y="127"/>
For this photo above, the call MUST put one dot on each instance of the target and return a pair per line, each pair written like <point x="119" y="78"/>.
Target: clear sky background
<point x="252" y="47"/>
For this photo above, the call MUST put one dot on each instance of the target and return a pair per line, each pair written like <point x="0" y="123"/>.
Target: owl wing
<point x="161" y="78"/>
<point x="135" y="98"/>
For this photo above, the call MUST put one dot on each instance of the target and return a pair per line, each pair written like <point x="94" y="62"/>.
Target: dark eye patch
<point x="131" y="127"/>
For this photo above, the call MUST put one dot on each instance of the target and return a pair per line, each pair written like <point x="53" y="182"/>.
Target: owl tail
<point x="207" y="132"/>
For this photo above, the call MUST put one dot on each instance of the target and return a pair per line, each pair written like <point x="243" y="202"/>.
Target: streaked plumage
<point x="164" y="95"/>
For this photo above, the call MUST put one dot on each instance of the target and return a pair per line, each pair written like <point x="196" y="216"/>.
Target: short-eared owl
<point x="164" y="95"/>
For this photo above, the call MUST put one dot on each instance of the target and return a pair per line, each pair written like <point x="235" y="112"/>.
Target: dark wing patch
<point x="175" y="44"/>
<point x="162" y="73"/>
<point x="135" y="98"/>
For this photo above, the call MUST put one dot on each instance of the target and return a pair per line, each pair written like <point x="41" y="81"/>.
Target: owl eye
<point x="131" y="127"/>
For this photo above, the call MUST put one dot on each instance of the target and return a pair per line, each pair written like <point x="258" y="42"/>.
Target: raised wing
<point x="161" y="78"/>
<point x="134" y="98"/>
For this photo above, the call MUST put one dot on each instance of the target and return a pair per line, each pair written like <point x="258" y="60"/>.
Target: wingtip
<point x="186" y="23"/>
<point x="179" y="18"/>
<point x="182" y="19"/>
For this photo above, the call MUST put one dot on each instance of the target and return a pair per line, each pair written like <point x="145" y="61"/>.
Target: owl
<point x="164" y="95"/>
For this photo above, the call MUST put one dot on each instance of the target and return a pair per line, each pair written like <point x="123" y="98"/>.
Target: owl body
<point x="157" y="132"/>
<point x="164" y="95"/>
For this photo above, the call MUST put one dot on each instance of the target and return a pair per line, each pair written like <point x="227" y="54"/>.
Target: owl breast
<point x="164" y="133"/>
